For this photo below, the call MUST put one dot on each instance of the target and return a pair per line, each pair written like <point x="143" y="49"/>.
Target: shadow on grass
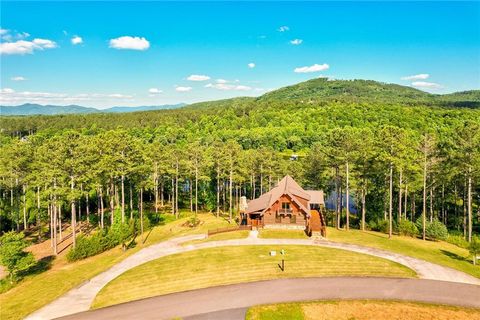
<point x="453" y="255"/>
<point x="42" y="265"/>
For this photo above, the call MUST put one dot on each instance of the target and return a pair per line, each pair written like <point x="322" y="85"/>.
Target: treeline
<point x="399" y="163"/>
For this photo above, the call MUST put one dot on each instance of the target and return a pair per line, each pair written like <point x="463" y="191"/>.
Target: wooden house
<point x="288" y="206"/>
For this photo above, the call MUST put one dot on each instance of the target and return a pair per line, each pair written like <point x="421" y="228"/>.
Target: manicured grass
<point x="360" y="310"/>
<point x="439" y="252"/>
<point x="38" y="290"/>
<point x="227" y="265"/>
<point x="282" y="234"/>
<point x="241" y="234"/>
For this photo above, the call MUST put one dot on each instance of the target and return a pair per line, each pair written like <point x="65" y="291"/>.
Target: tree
<point x="12" y="255"/>
<point x="474" y="248"/>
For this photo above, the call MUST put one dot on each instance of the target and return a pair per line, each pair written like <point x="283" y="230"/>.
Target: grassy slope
<point x="227" y="265"/>
<point x="439" y="252"/>
<point x="360" y="310"/>
<point x="36" y="291"/>
<point x="241" y="234"/>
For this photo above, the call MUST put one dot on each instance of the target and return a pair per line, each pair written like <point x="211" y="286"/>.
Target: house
<point x="288" y="206"/>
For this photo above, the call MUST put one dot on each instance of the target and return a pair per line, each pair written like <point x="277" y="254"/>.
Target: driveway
<point x="79" y="299"/>
<point x="231" y="302"/>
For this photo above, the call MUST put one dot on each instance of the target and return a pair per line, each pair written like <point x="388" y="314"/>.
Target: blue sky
<point x="144" y="53"/>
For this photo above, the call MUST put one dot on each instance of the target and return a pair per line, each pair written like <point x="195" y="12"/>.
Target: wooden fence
<point x="229" y="229"/>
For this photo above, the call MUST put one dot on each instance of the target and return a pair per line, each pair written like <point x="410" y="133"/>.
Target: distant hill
<point x="368" y="91"/>
<point x="37" y="109"/>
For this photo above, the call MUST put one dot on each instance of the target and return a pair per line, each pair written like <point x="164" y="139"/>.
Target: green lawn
<point x="227" y="265"/>
<point x="360" y="310"/>
<point x="439" y="252"/>
<point x="36" y="291"/>
<point x="282" y="234"/>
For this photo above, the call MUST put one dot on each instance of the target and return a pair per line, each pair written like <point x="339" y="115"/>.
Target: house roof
<point x="286" y="186"/>
<point x="316" y="196"/>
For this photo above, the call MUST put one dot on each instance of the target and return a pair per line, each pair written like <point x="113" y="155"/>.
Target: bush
<point x="436" y="230"/>
<point x="378" y="225"/>
<point x="407" y="228"/>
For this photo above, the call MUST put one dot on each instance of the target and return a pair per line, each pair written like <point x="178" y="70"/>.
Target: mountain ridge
<point x="28" y="109"/>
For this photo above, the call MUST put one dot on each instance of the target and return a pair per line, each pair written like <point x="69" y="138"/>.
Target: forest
<point x="401" y="153"/>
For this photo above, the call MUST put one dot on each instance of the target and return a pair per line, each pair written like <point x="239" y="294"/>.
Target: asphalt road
<point x="230" y="302"/>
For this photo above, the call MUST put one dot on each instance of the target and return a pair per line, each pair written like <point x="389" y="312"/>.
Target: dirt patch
<point x="366" y="310"/>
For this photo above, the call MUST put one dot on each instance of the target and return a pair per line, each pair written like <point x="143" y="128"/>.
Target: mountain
<point x="37" y="109"/>
<point x="368" y="91"/>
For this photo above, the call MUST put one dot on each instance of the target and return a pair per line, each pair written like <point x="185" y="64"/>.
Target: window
<point x="285" y="206"/>
<point x="278" y="219"/>
<point x="293" y="218"/>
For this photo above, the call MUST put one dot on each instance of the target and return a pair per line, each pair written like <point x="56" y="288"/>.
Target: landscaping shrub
<point x="407" y="228"/>
<point x="379" y="225"/>
<point x="434" y="230"/>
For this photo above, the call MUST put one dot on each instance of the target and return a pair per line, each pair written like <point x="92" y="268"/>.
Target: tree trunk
<point x="74" y="224"/>
<point x="400" y="198"/>
<point x="24" y="207"/>
<point x="406" y="202"/>
<point x="230" y="195"/>
<point x="39" y="220"/>
<point x="424" y="208"/>
<point x="176" y="191"/>
<point x="190" y="188"/>
<point x="363" y="208"/>
<point x="390" y="204"/>
<point x="347" y="195"/>
<point x="54" y="221"/>
<point x="218" y="191"/>
<point x="155" y="183"/>
<point x="469" y="202"/>
<point x="196" y="190"/>
<point x="131" y="200"/>
<point x="102" y="211"/>
<point x="173" y="196"/>
<point x="88" y="209"/>
<point x="338" y="203"/>
<point x="141" y="212"/>
<point x="431" y="204"/>
<point x="60" y="221"/>
<point x="123" y="198"/>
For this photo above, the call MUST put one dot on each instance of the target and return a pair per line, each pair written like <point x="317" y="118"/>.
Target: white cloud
<point x="45" y="43"/>
<point x="421" y="76"/>
<point x="283" y="29"/>
<point x="251" y="65"/>
<point x="198" y="77"/>
<point x="424" y="84"/>
<point x="228" y="87"/>
<point x="296" y="42"/>
<point x="11" y="97"/>
<point x="18" y="78"/>
<point x="183" y="89"/>
<point x="131" y="43"/>
<point x="24" y="47"/>
<point x="313" y="68"/>
<point x="221" y="81"/>
<point x="3" y="31"/>
<point x="76" y="40"/>
<point x="154" y="91"/>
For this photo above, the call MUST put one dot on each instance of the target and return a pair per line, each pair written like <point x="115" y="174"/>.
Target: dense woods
<point x="400" y="154"/>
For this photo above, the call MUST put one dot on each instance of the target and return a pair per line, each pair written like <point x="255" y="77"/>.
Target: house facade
<point x="288" y="206"/>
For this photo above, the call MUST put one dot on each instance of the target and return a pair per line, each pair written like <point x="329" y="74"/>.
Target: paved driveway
<point x="230" y="302"/>
<point x="79" y="299"/>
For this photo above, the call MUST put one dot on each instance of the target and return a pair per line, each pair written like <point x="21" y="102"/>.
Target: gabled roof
<point x="316" y="196"/>
<point x="286" y="186"/>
